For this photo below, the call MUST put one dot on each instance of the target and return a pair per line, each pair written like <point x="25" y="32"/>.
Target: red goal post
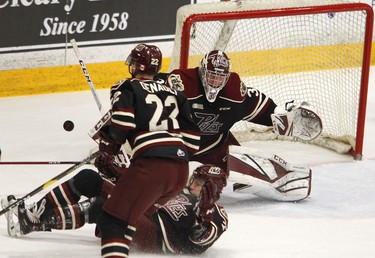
<point x="315" y="51"/>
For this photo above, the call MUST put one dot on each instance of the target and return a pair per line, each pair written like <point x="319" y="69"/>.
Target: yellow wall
<point x="71" y="78"/>
<point x="62" y="78"/>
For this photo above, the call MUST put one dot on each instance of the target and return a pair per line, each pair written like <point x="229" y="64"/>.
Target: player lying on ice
<point x="192" y="219"/>
<point x="218" y="99"/>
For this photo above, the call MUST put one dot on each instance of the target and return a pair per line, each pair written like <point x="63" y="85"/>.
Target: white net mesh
<point x="312" y="54"/>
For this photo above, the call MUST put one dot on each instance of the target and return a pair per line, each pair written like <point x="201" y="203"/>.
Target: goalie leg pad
<point x="293" y="187"/>
<point x="267" y="176"/>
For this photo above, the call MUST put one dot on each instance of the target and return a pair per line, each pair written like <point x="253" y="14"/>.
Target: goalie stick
<point x="49" y="182"/>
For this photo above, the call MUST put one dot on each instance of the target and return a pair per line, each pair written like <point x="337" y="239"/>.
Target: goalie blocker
<point x="267" y="175"/>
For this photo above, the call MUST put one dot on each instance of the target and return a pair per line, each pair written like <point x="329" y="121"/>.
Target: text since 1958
<point x="100" y="22"/>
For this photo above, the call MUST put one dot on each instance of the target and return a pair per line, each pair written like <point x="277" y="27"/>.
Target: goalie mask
<point x="214" y="73"/>
<point x="216" y="174"/>
<point x="145" y="59"/>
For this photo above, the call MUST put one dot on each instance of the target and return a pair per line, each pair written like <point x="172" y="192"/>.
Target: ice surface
<point x="338" y="220"/>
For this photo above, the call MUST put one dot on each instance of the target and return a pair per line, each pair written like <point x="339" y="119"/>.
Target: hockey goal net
<point x="315" y="51"/>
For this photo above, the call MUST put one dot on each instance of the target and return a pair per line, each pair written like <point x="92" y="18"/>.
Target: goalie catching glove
<point x="299" y="121"/>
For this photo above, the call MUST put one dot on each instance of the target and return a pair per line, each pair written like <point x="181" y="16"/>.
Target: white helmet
<point x="214" y="73"/>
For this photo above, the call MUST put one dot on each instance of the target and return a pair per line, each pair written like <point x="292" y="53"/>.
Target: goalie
<point x="218" y="99"/>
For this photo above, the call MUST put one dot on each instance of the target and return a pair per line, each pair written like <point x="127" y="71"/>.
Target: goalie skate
<point x="11" y="216"/>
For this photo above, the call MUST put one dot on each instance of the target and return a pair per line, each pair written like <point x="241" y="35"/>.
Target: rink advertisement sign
<point x="33" y="24"/>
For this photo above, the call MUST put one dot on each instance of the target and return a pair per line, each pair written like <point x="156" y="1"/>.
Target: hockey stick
<point x="39" y="162"/>
<point x="86" y="74"/>
<point x="49" y="182"/>
<point x="89" y="81"/>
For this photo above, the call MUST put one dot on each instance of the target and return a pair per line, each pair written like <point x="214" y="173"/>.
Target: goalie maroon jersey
<point x="176" y="220"/>
<point x="155" y="119"/>
<point x="235" y="102"/>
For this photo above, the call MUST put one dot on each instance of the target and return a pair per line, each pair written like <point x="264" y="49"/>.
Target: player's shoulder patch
<point x="187" y="81"/>
<point x="175" y="82"/>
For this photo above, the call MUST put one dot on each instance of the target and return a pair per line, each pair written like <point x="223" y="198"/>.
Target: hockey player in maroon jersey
<point x="190" y="222"/>
<point x="218" y="99"/>
<point x="156" y="121"/>
<point x="192" y="218"/>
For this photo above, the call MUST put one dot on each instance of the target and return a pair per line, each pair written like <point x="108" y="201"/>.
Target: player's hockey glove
<point x="107" y="145"/>
<point x="204" y="233"/>
<point x="108" y="148"/>
<point x="108" y="168"/>
<point x="207" y="199"/>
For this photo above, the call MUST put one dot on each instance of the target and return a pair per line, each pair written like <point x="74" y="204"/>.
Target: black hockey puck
<point x="68" y="125"/>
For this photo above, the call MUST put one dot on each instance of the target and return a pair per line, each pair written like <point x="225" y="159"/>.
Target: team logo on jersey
<point x="243" y="89"/>
<point x="181" y="153"/>
<point x="177" y="207"/>
<point x="175" y="82"/>
<point x="208" y="123"/>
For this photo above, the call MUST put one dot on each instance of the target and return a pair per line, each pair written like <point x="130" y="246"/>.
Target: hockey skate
<point x="29" y="217"/>
<point x="11" y="216"/>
